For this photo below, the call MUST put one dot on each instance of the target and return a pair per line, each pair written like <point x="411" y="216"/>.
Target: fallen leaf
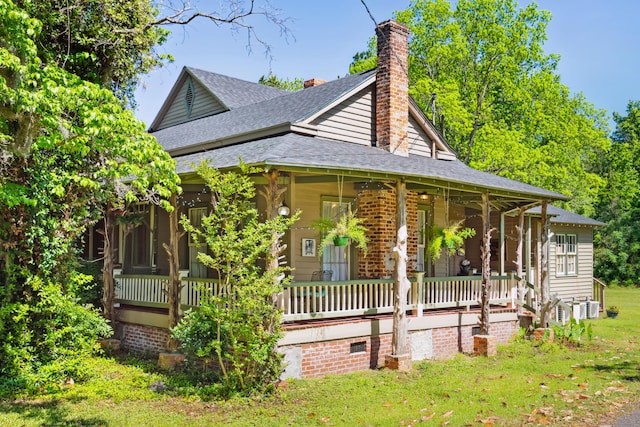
<point x="387" y="404"/>
<point x="447" y="414"/>
<point x="428" y="417"/>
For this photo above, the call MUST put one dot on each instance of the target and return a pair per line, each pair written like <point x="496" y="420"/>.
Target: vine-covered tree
<point x="69" y="149"/>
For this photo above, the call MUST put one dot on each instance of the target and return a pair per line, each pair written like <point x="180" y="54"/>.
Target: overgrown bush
<point x="47" y="337"/>
<point x="237" y="330"/>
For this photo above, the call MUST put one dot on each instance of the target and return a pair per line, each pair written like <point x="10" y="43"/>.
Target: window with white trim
<point x="336" y="259"/>
<point x="566" y="254"/>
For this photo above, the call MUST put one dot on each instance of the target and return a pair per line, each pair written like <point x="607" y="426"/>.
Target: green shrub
<point x="46" y="338"/>
<point x="237" y="330"/>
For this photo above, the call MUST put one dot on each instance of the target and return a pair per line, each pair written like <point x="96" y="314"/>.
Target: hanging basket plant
<point x="448" y="239"/>
<point x="340" y="241"/>
<point x="347" y="228"/>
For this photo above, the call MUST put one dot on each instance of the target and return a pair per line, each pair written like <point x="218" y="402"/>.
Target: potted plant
<point x="613" y="311"/>
<point x="348" y="227"/>
<point x="451" y="239"/>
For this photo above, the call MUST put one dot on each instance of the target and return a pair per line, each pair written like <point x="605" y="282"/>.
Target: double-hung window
<point x="566" y="254"/>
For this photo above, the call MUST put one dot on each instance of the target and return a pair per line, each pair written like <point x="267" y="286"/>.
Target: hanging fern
<point x="348" y="225"/>
<point x="451" y="239"/>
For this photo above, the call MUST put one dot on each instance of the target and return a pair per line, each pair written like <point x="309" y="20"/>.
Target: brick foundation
<point x="143" y="339"/>
<point x="340" y="351"/>
<point x="334" y="357"/>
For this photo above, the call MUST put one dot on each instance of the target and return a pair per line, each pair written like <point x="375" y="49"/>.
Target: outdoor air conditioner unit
<point x="584" y="306"/>
<point x="594" y="309"/>
<point x="562" y="314"/>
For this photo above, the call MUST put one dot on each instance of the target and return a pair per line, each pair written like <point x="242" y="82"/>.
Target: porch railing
<point x="598" y="292"/>
<point x="307" y="300"/>
<point x="151" y="291"/>
<point x="326" y="299"/>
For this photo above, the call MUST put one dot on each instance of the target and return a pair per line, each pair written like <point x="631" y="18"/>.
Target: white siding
<point x="350" y="121"/>
<point x="203" y="105"/>
<point x="579" y="286"/>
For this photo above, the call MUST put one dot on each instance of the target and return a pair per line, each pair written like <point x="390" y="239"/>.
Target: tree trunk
<point x="519" y="258"/>
<point x="272" y="194"/>
<point x="545" y="302"/>
<point x="109" y="292"/>
<point x="486" y="265"/>
<point x="402" y="284"/>
<point x="174" y="286"/>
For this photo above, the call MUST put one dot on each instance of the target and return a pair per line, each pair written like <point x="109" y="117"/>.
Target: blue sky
<point x="598" y="41"/>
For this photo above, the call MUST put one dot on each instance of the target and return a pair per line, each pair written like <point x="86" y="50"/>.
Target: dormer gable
<point x="198" y="93"/>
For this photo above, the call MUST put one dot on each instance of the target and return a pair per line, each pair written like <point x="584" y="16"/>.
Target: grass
<point x="524" y="385"/>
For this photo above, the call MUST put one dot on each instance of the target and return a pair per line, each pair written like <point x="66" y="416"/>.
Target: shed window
<point x="566" y="254"/>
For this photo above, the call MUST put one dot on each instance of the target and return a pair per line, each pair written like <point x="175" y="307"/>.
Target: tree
<point x="69" y="148"/>
<point x="290" y="85"/>
<point x="112" y="44"/>
<point x="617" y="252"/>
<point x="498" y="99"/>
<point x="239" y="326"/>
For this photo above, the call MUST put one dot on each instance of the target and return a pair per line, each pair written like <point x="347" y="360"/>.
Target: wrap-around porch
<point x="330" y="299"/>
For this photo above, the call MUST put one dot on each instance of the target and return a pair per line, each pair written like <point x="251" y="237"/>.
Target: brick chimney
<point x="392" y="121"/>
<point x="392" y="88"/>
<point x="313" y="82"/>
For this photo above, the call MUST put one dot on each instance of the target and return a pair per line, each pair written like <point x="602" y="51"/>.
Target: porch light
<point x="283" y="210"/>
<point x="424" y="196"/>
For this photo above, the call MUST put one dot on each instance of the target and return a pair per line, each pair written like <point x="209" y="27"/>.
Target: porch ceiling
<point x="325" y="159"/>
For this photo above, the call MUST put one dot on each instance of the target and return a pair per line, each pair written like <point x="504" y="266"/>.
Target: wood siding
<point x="419" y="143"/>
<point x="308" y="198"/>
<point x="580" y="285"/>
<point x="351" y="121"/>
<point x="204" y="104"/>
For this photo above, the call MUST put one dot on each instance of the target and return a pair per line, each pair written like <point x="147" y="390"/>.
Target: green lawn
<point x="523" y="385"/>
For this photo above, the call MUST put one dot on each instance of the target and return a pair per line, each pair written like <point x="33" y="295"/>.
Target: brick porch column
<point x="378" y="207"/>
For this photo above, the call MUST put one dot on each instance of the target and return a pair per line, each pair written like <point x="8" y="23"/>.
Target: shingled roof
<point x="264" y="133"/>
<point x="232" y="92"/>
<point x="561" y="216"/>
<point x="267" y="115"/>
<point x="304" y="153"/>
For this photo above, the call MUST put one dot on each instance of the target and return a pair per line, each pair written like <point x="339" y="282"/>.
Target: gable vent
<point x="189" y="97"/>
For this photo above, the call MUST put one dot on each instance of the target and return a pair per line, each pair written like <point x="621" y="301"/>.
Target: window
<point x="566" y="254"/>
<point x="336" y="258"/>
<point x="196" y="245"/>
<point x="422" y="238"/>
<point x="137" y="239"/>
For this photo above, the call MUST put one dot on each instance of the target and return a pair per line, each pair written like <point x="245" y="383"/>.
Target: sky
<point x="598" y="43"/>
